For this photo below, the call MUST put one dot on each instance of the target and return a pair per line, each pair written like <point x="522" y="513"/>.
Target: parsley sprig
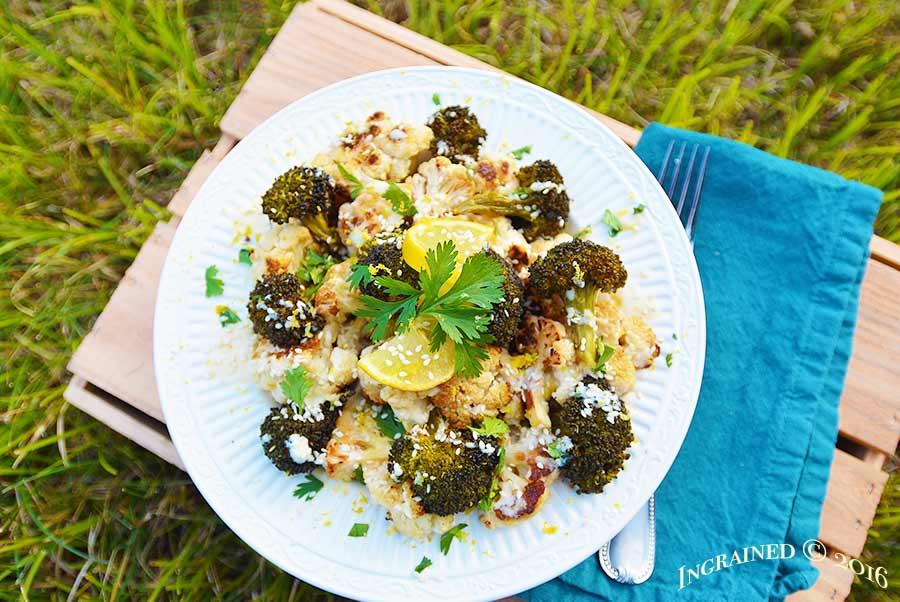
<point x="460" y="314"/>
<point x="356" y="187"/>
<point x="296" y="385"/>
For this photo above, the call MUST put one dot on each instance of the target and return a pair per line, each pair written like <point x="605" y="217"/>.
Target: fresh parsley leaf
<point x="356" y="187"/>
<point x="382" y="312"/>
<point x="312" y="271"/>
<point x="244" y="256"/>
<point x="436" y="99"/>
<point x="674" y="337"/>
<point x="491" y="427"/>
<point x="487" y="502"/>
<point x="226" y="315"/>
<point x="440" y="263"/>
<point x="468" y="358"/>
<point x="214" y="284"/>
<point x="359" y="275"/>
<point x="553" y="450"/>
<point x="609" y="218"/>
<point x="296" y="385"/>
<point x="519" y="192"/>
<point x="426" y="561"/>
<point x="449" y="535"/>
<point x="604" y="354"/>
<point x="669" y="360"/>
<point x="388" y="423"/>
<point x="358" y="475"/>
<point x="521" y="152"/>
<point x="639" y="209"/>
<point x="400" y="201"/>
<point x="358" y="530"/>
<point x="308" y="489"/>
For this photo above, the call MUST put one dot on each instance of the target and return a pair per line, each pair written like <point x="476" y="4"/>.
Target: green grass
<point x="105" y="105"/>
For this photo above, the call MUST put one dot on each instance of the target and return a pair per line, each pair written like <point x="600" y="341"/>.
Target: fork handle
<point x="630" y="556"/>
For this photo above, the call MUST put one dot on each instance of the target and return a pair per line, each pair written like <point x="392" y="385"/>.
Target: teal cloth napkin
<point x="782" y="248"/>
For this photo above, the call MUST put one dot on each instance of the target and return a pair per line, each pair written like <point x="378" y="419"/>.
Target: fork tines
<point x="685" y="183"/>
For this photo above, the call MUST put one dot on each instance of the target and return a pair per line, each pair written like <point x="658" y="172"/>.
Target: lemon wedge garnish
<point x="405" y="361"/>
<point x="469" y="238"/>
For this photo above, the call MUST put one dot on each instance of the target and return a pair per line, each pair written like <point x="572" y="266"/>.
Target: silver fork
<point x="631" y="555"/>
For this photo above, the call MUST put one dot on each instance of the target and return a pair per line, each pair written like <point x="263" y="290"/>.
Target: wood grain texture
<point x="833" y="584"/>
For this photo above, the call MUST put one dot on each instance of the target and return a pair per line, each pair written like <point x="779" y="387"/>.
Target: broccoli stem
<point x="585" y="330"/>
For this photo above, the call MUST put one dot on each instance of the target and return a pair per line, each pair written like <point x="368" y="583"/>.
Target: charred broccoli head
<point x="598" y="429"/>
<point x="506" y="315"/>
<point x="457" y="133"/>
<point x="539" y="207"/>
<point x="306" y="194"/>
<point x="449" y="470"/>
<point x="383" y="255"/>
<point x="576" y="271"/>
<point x="292" y="444"/>
<point x="279" y="313"/>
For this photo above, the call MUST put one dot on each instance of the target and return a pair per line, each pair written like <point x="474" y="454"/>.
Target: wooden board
<point x="114" y="379"/>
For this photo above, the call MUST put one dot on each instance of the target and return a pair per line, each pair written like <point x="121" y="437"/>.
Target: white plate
<point x="214" y="418"/>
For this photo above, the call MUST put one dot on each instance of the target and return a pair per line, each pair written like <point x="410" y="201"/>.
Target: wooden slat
<point x="854" y="489"/>
<point x="833" y="584"/>
<point x="870" y="404"/>
<point x="198" y="174"/>
<point x="124" y="419"/>
<point x="886" y="252"/>
<point x="117" y="355"/>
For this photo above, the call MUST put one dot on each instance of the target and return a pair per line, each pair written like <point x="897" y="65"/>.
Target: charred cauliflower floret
<point x="457" y="134"/>
<point x="463" y="401"/>
<point x="438" y="187"/>
<point x="279" y="313"/>
<point x="597" y="426"/>
<point x="523" y="483"/>
<point x="407" y="514"/>
<point x="334" y="299"/>
<point x="281" y="248"/>
<point x="355" y="441"/>
<point x="295" y="445"/>
<point x="409" y="407"/>
<point x="496" y="174"/>
<point x="639" y="342"/>
<point x="365" y="218"/>
<point x="620" y="371"/>
<point x="449" y="471"/>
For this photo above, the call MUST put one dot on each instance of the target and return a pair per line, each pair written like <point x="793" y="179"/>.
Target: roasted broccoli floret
<point x="506" y="315"/>
<point x="539" y="207"/>
<point x="292" y="444"/>
<point x="576" y="271"/>
<point x="305" y="194"/>
<point x="457" y="133"/>
<point x="279" y="313"/>
<point x="449" y="470"/>
<point x="594" y="434"/>
<point x="383" y="255"/>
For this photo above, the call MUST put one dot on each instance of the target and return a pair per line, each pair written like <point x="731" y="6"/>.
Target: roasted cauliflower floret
<point x="639" y="342"/>
<point x="280" y="249"/>
<point x="464" y="400"/>
<point x="409" y="407"/>
<point x="525" y="479"/>
<point x="355" y="441"/>
<point x="439" y="186"/>
<point x="334" y="299"/>
<point x="408" y="515"/>
<point x="494" y="173"/>
<point x="366" y="217"/>
<point x="620" y="371"/>
<point x="548" y="340"/>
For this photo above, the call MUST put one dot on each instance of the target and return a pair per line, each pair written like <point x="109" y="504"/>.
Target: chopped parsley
<point x="244" y="256"/>
<point x="491" y="427"/>
<point x="400" y="201"/>
<point x="674" y="337"/>
<point x="584" y="232"/>
<point x="308" y="489"/>
<point x="423" y="564"/>
<point x="358" y="475"/>
<point x="669" y="360"/>
<point x="358" y="530"/>
<point x="296" y="385"/>
<point x="388" y="424"/>
<point x="487" y="502"/>
<point x="639" y="209"/>
<point x="214" y="284"/>
<point x="604" y="354"/>
<point x="449" y="535"/>
<point x="553" y="450"/>
<point x="312" y="271"/>
<point x="227" y="315"/>
<point x="521" y="152"/>
<point x="610" y="219"/>
<point x="356" y="186"/>
<point x="461" y="314"/>
<point x="359" y="274"/>
<point x="436" y="99"/>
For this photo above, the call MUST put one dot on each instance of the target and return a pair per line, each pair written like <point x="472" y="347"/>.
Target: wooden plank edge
<point x="833" y="584"/>
<point x="441" y="53"/>
<point x="123" y="418"/>
<point x="885" y="251"/>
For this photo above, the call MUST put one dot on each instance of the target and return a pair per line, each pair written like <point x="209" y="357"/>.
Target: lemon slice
<point x="469" y="238"/>
<point x="404" y="362"/>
